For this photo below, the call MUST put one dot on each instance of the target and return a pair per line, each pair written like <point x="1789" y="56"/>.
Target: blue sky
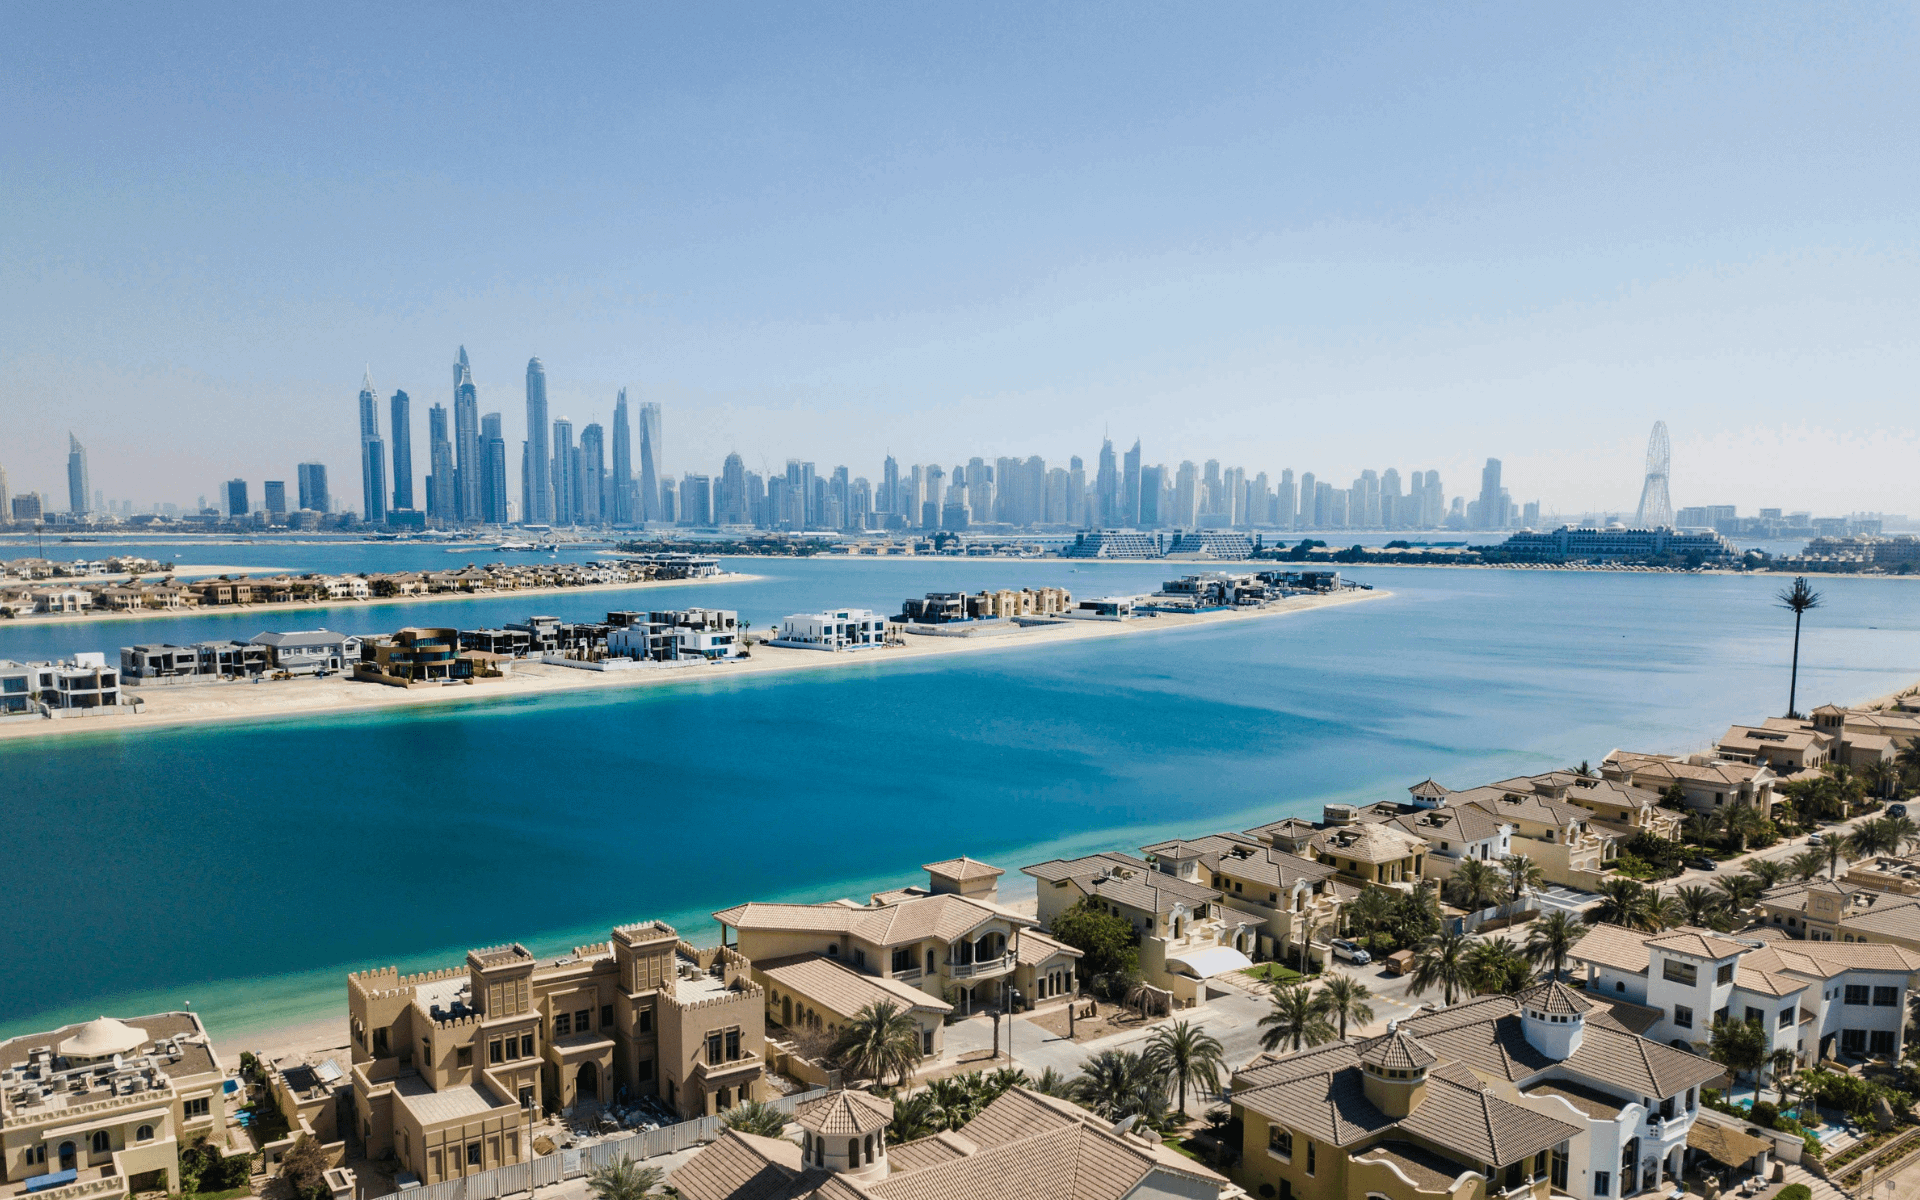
<point x="1304" y="237"/>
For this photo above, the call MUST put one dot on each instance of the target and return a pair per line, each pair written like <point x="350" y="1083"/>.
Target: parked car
<point x="1703" y="864"/>
<point x="1814" y="839"/>
<point x="1342" y="948"/>
<point x="1896" y="810"/>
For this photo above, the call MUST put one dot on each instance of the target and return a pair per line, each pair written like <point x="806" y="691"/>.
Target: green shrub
<point x="1795" y="1191"/>
<point x="1765" y="1114"/>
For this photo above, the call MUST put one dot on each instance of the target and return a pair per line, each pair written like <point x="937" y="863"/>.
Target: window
<point x="930" y="962"/>
<point x="1724" y="974"/>
<point x="1755" y="1016"/>
<point x="1857" y="993"/>
<point x="582" y="1020"/>
<point x="1683" y="1016"/>
<point x="526" y="1045"/>
<point x="1882" y="1041"/>
<point x="859" y="956"/>
<point x="463" y="1056"/>
<point x="1280" y="1141"/>
<point x="1602" y="1181"/>
<point x="379" y="1043"/>
<point x="1309" y="1156"/>
<point x="606" y="1016"/>
<point x="196" y="1107"/>
<point x="1853" y="1041"/>
<point x="833" y="950"/>
<point x="1720" y="1016"/>
<point x="1674" y="971"/>
<point x="1691" y="1102"/>
<point x="562" y="1024"/>
<point x="493" y="1052"/>
<point x="926" y="1041"/>
<point x="101" y="1142"/>
<point x="1786" y="1017"/>
<point x="902" y="960"/>
<point x="733" y="1044"/>
<point x="1620" y="985"/>
<point x="646" y="1020"/>
<point x="715" y="1047"/>
<point x="1886" y="997"/>
<point x="473" y="1154"/>
<point x="645" y="1068"/>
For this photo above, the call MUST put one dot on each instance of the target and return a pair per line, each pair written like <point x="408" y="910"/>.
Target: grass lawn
<point x="1184" y="1146"/>
<point x="1272" y="973"/>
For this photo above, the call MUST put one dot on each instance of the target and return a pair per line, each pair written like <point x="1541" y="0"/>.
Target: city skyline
<point x="1306" y="235"/>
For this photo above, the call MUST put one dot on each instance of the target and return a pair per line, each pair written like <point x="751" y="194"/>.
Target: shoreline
<point x="237" y="702"/>
<point x="222" y="610"/>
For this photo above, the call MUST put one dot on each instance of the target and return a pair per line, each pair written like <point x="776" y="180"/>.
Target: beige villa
<point x="448" y="1064"/>
<point x="1297" y="898"/>
<point x="1709" y="783"/>
<point x="1372" y="855"/>
<point x="111" y="1102"/>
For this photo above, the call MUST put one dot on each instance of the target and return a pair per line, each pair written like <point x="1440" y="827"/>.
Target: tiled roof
<point x="845" y="1112"/>
<point x="1123" y="880"/>
<point x="1478" y="1123"/>
<point x="910" y="919"/>
<point x="743" y="1166"/>
<point x="1486" y="1034"/>
<point x="1427" y="789"/>
<point x="1698" y="943"/>
<point x="833" y="984"/>
<point x="1506" y="804"/>
<point x="1270" y="866"/>
<point x="1367" y="843"/>
<point x="1634" y="1018"/>
<point x="1396" y="1051"/>
<point x="1554" y="998"/>
<point x="963" y="868"/>
<point x="1824" y="960"/>
<point x="1467" y="823"/>
<point x="1656" y="766"/>
<point x="1035" y="948"/>
<point x="1612" y="946"/>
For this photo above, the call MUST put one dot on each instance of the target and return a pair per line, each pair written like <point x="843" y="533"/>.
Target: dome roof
<point x="103" y="1037"/>
<point x="1554" y="998"/>
<point x="845" y="1113"/>
<point x="1397" y="1051"/>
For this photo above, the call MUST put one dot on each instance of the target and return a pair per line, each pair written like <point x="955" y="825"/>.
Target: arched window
<point x="819" y="1152"/>
<point x="143" y="1134"/>
<point x="853" y="1152"/>
<point x="869" y="1150"/>
<point x="101" y="1142"/>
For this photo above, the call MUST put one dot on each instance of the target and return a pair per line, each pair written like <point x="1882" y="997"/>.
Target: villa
<point x="842" y="629"/>
<point x="1707" y="782"/>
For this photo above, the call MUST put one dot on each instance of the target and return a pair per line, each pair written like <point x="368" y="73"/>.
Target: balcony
<point x="981" y="970"/>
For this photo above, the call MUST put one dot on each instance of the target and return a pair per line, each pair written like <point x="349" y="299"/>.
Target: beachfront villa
<point x="1368" y="854"/>
<point x="1876" y="901"/>
<point x="1542" y="1093"/>
<point x="102" y="1109"/>
<point x="1298" y="899"/>
<point x="841" y="629"/>
<point x="1818" y="999"/>
<point x="84" y="681"/>
<point x="1023" y="1144"/>
<point x="447" y="1064"/>
<point x="1707" y="782"/>
<point x="928" y="951"/>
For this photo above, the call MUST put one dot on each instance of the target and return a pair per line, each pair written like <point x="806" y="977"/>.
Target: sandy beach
<point x="227" y="610"/>
<point x="204" y="703"/>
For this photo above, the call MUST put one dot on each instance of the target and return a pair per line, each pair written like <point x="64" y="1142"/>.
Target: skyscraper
<point x="1309" y="490"/>
<point x="733" y="492"/>
<point x="594" y="501"/>
<point x="561" y="482"/>
<point x="77" y="490"/>
<point x="652" y="465"/>
<point x="274" y="495"/>
<point x="493" y="478"/>
<point x="6" y="509"/>
<point x="1492" y="512"/>
<point x="1106" y="486"/>
<point x="373" y="456"/>
<point x="1149" y="485"/>
<point x="236" y="497"/>
<point x="443" y="484"/>
<point x="313" y="486"/>
<point x="889" y="499"/>
<point x="402" y="451"/>
<point x="1186" y="496"/>
<point x="621" y="485"/>
<point x="1130" y="498"/>
<point x="469" y="462"/>
<point x="536" y="502"/>
<point x="1077" y="513"/>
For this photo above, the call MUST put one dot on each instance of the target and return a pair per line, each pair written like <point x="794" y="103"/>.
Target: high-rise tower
<point x="402" y="451"/>
<point x="1106" y="486"/>
<point x="77" y="490"/>
<point x="373" y="456"/>
<point x="536" y="501"/>
<point x="651" y="468"/>
<point x="1656" y="507"/>
<point x="620" y="487"/>
<point x="1130" y="487"/>
<point x="470" y="467"/>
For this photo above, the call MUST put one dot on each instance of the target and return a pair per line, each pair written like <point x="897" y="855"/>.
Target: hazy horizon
<point x="1325" y="241"/>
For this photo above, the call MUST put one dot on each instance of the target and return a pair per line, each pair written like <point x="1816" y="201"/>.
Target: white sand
<point x="201" y="703"/>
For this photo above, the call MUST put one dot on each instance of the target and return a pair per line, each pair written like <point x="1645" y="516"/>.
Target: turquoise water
<point x="245" y="869"/>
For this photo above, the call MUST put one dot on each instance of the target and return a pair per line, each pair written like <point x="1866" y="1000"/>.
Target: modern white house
<point x="841" y="629"/>
<point x="309" y="651"/>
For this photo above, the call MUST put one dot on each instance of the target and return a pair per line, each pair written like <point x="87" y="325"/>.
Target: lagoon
<point x="245" y="869"/>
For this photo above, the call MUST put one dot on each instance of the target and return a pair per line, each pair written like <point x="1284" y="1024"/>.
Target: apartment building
<point x="1298" y="898"/>
<point x="929" y="951"/>
<point x="841" y="629"/>
<point x="1022" y="1144"/>
<point x="675" y="635"/>
<point x="447" y="1064"/>
<point x="1707" y="782"/>
<point x="1188" y="931"/>
<point x="102" y="1108"/>
<point x="1818" y="999"/>
<point x="1544" y="1093"/>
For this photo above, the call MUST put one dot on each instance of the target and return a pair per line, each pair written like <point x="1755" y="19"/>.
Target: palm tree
<point x="1442" y="961"/>
<point x="1870" y="838"/>
<point x="1834" y="852"/>
<point x="1807" y="864"/>
<point x="1188" y="1055"/>
<point x="1052" y="1083"/>
<point x="1475" y="885"/>
<point x="1344" y="998"/>
<point x="1697" y="828"/>
<point x="1586" y="771"/>
<point x="1496" y="967"/>
<point x="1800" y="599"/>
<point x="1781" y="1065"/>
<point x="1903" y="833"/>
<point x="1768" y="871"/>
<point x="755" y="1116"/>
<point x="1295" y="1018"/>
<point x="1551" y="939"/>
<point x="916" y="1116"/>
<point x="1625" y="902"/>
<point x="1120" y="1083"/>
<point x="882" y="1039"/>
<point x="1883" y="778"/>
<point x="1741" y="891"/>
<point x="1522" y="875"/>
<point x="1370" y="912"/>
<point x="624" y="1179"/>
<point x="1743" y="823"/>
<point x="1701" y="906"/>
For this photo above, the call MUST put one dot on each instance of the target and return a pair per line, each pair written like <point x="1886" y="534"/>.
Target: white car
<point x="1342" y="948"/>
